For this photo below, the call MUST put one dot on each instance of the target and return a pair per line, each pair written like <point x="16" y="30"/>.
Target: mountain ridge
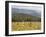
<point x="26" y="11"/>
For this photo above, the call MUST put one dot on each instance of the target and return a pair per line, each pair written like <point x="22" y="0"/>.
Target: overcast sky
<point x="37" y="8"/>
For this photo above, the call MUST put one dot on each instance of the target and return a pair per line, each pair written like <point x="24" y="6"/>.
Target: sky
<point x="36" y="8"/>
<point x="27" y="7"/>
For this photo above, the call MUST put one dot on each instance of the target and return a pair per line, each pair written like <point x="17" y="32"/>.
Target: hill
<point x="24" y="17"/>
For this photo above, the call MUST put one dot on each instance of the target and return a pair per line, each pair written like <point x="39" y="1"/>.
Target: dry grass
<point x="19" y="26"/>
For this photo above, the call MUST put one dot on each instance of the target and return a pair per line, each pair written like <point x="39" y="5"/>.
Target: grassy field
<point x="20" y="26"/>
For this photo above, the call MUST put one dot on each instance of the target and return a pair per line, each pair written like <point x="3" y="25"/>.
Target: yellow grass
<point x="19" y="26"/>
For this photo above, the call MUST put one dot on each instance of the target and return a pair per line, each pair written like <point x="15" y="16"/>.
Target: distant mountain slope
<point x="26" y="11"/>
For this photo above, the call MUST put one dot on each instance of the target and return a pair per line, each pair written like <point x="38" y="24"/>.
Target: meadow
<point x="21" y="26"/>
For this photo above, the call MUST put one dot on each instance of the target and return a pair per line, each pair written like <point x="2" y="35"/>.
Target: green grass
<point x="20" y="26"/>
